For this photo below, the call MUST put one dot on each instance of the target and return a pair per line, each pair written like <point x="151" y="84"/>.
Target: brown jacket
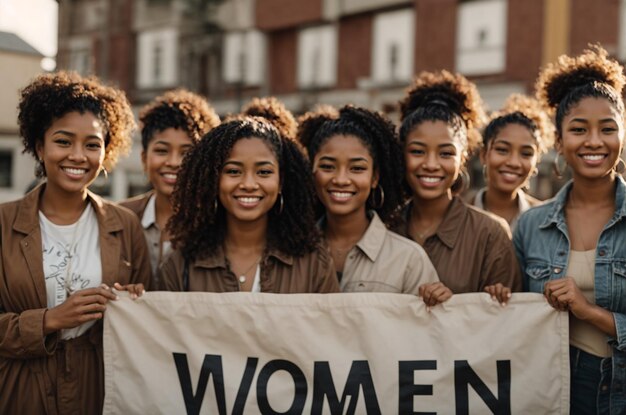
<point x="280" y="273"/>
<point x="471" y="249"/>
<point x="138" y="203"/>
<point x="45" y="375"/>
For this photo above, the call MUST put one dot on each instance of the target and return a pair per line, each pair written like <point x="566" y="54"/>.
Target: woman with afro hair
<point x="243" y="216"/>
<point x="170" y="126"/>
<point x="572" y="249"/>
<point x="357" y="158"/>
<point x="470" y="249"/>
<point x="513" y="143"/>
<point x="274" y="111"/>
<point x="62" y="248"/>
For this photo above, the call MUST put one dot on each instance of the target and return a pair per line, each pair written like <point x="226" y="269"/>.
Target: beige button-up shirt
<point x="383" y="261"/>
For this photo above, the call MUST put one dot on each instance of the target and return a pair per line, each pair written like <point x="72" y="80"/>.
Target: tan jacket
<point x="44" y="375"/>
<point x="280" y="273"/>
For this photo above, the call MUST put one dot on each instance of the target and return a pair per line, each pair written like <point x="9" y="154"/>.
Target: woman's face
<point x="249" y="181"/>
<point x="592" y="137"/>
<point x="433" y="158"/>
<point x="72" y="151"/>
<point x="163" y="157"/>
<point x="510" y="159"/>
<point x="344" y="174"/>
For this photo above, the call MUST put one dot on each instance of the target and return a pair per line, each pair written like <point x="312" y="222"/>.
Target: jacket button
<point x="561" y="253"/>
<point x="602" y="252"/>
<point x="604" y="388"/>
<point x="557" y="270"/>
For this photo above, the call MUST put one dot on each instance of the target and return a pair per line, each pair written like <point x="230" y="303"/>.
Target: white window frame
<point x="317" y="57"/>
<point x="393" y="29"/>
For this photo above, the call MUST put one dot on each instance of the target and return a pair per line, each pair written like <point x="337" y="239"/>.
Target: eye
<point x="528" y="154"/>
<point x="62" y="141"/>
<point x="416" y="152"/>
<point x="577" y="130"/>
<point x="232" y="171"/>
<point x="501" y="150"/>
<point x="160" y="150"/>
<point x="358" y="169"/>
<point x="94" y="145"/>
<point x="265" y="172"/>
<point x="609" y="130"/>
<point x="325" y="166"/>
<point x="447" y="154"/>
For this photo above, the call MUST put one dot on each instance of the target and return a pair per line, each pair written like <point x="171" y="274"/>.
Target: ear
<point x="143" y="160"/>
<point x="375" y="179"/>
<point x="483" y="156"/>
<point x="39" y="149"/>
<point x="558" y="143"/>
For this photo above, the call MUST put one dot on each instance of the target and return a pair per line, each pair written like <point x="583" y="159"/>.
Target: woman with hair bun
<point x="274" y="111"/>
<point x="470" y="249"/>
<point x="62" y="248"/>
<point x="244" y="216"/>
<point x="572" y="248"/>
<point x="357" y="159"/>
<point x="170" y="126"/>
<point x="513" y="143"/>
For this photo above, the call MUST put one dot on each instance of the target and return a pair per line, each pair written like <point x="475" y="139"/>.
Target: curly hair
<point x="197" y="227"/>
<point x="275" y="112"/>
<point x="179" y="109"/>
<point x="376" y="133"/>
<point x="51" y="96"/>
<point x="447" y="97"/>
<point x="564" y="84"/>
<point x="526" y="112"/>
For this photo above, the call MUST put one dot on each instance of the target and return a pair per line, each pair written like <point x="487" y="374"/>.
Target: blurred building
<point x="325" y="51"/>
<point x="19" y="63"/>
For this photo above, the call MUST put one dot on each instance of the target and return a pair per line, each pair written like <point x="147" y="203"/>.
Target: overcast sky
<point x="35" y="21"/>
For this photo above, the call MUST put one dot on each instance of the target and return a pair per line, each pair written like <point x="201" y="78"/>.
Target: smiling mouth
<point x="510" y="176"/>
<point x="429" y="181"/>
<point x="73" y="171"/>
<point x="169" y="178"/>
<point x="593" y="157"/>
<point x="248" y="201"/>
<point x="340" y="196"/>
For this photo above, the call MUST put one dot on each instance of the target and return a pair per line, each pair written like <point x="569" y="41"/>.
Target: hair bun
<point x="310" y="122"/>
<point x="275" y="112"/>
<point x="593" y="65"/>
<point x="447" y="89"/>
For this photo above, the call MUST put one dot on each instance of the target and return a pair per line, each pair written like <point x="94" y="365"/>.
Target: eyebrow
<point x="440" y="145"/>
<point x="258" y="163"/>
<point x="329" y="158"/>
<point x="584" y="120"/>
<point x="71" y="134"/>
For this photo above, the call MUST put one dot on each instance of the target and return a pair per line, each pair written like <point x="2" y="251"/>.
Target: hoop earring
<point x="526" y="186"/>
<point x="106" y="173"/>
<point x="215" y="206"/>
<point x="623" y="166"/>
<point x="558" y="170"/>
<point x="462" y="182"/>
<point x="485" y="177"/>
<point x="381" y="198"/>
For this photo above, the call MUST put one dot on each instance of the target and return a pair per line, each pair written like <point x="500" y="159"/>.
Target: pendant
<point x="242" y="279"/>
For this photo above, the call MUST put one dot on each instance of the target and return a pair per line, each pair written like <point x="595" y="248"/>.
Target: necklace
<point x="423" y="234"/>
<point x="243" y="277"/>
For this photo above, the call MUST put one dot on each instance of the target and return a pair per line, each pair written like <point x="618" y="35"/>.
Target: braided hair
<point x="376" y="133"/>
<point x="198" y="223"/>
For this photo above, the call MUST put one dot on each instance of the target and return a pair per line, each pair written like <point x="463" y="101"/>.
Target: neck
<point x="498" y="200"/>
<point x="60" y="206"/>
<point x="430" y="210"/>
<point x="589" y="193"/>
<point x="246" y="236"/>
<point x="347" y="227"/>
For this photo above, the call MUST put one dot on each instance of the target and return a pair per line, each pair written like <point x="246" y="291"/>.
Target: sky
<point x="35" y="21"/>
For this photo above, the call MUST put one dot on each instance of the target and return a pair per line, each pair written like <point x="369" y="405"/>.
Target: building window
<point x="317" y="57"/>
<point x="481" y="37"/>
<point x="392" y="57"/>
<point x="244" y="59"/>
<point x="80" y="61"/>
<point x="6" y="168"/>
<point x="157" y="53"/>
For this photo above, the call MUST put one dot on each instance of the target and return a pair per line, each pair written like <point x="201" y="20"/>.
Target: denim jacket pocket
<point x="536" y="275"/>
<point x="619" y="287"/>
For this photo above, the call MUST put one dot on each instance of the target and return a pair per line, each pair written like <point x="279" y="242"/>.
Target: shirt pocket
<point x="536" y="275"/>
<point x="370" y="287"/>
<point x="619" y="287"/>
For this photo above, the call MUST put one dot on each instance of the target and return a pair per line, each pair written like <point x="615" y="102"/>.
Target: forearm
<point x="600" y="318"/>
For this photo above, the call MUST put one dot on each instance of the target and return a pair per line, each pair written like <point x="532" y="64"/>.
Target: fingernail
<point x="502" y="304"/>
<point x="508" y="295"/>
<point x="143" y="292"/>
<point x="428" y="309"/>
<point x="117" y="297"/>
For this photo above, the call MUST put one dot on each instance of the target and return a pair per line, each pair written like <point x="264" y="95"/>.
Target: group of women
<point x="338" y="200"/>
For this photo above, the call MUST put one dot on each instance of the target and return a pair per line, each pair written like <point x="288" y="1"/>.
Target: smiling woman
<point x="63" y="248"/>
<point x="470" y="249"/>
<point x="170" y="126"/>
<point x="244" y="218"/>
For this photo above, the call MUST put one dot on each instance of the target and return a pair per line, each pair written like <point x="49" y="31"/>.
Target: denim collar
<point x="556" y="214"/>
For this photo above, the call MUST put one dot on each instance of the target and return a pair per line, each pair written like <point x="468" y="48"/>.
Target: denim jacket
<point x="542" y="246"/>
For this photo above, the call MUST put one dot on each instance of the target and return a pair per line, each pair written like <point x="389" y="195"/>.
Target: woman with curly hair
<point x="470" y="249"/>
<point x="170" y="126"/>
<point x="274" y="111"/>
<point x="243" y="216"/>
<point x="572" y="248"/>
<point x="513" y="143"/>
<point x="356" y="157"/>
<point x="62" y="248"/>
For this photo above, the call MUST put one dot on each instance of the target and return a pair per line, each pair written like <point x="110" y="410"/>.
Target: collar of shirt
<point x="217" y="259"/>
<point x="450" y="226"/>
<point x="149" y="214"/>
<point x="522" y="202"/>
<point x="372" y="240"/>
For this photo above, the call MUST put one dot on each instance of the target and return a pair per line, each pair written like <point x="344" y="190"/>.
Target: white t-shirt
<point x="256" y="284"/>
<point x="71" y="249"/>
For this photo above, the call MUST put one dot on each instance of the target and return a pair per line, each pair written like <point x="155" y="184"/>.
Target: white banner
<point x="244" y="353"/>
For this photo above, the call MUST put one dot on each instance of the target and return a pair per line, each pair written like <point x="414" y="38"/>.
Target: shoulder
<point x="137" y="204"/>
<point x="532" y="202"/>
<point x="482" y="219"/>
<point x="111" y="211"/>
<point x="398" y="242"/>
<point x="10" y="209"/>
<point x="536" y="214"/>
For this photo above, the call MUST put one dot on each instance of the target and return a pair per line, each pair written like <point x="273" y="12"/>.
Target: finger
<point x="504" y="294"/>
<point x="93" y="308"/>
<point x="84" y="318"/>
<point x="445" y="296"/>
<point x="91" y="299"/>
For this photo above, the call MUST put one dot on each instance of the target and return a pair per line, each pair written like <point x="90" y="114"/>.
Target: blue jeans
<point x="586" y="383"/>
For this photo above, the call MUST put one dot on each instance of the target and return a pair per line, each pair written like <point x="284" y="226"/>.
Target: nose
<point x="248" y="182"/>
<point x="77" y="154"/>
<point x="514" y="159"/>
<point x="341" y="178"/>
<point x="593" y="139"/>
<point x="432" y="161"/>
<point x="174" y="159"/>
